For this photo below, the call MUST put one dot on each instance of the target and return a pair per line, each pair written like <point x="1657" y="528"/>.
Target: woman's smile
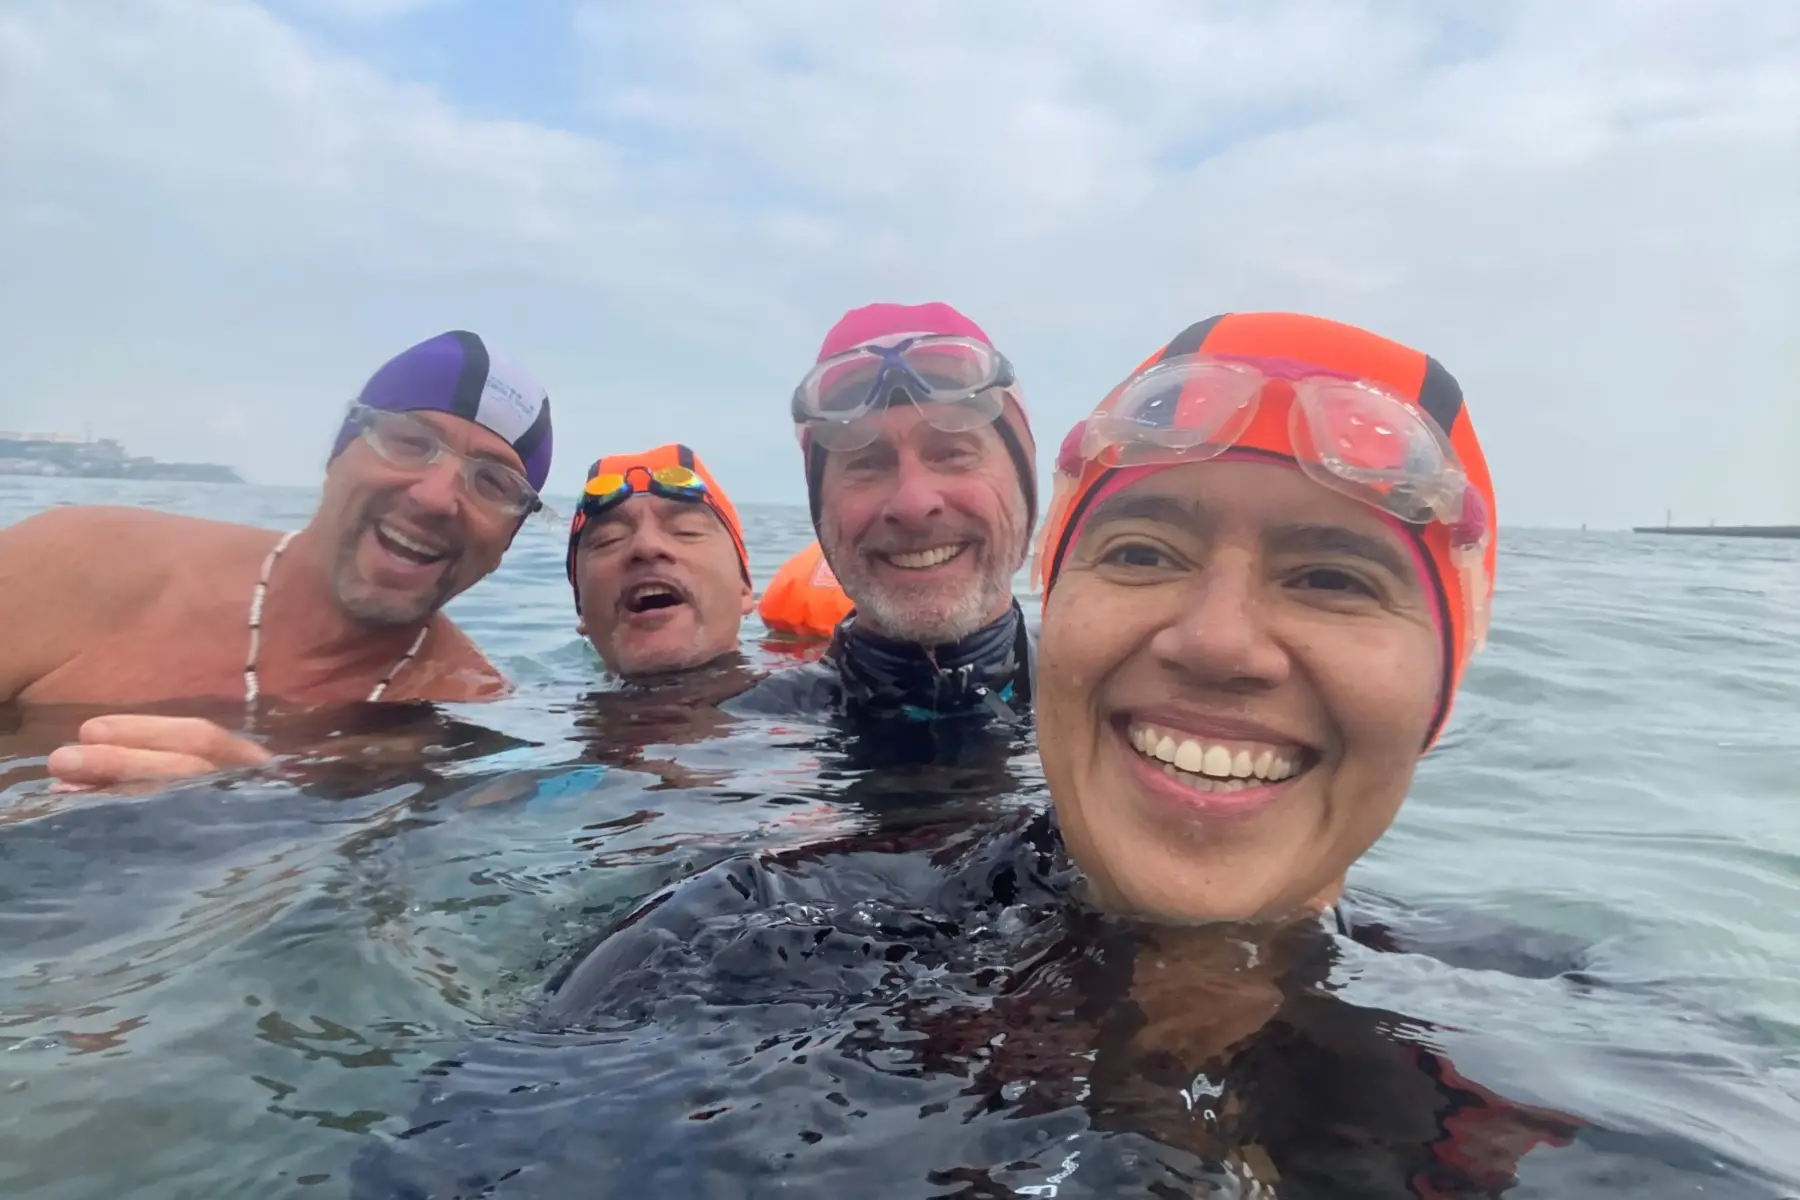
<point x="1210" y="768"/>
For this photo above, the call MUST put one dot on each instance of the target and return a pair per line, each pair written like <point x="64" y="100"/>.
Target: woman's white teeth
<point x="918" y="560"/>
<point x="1215" y="760"/>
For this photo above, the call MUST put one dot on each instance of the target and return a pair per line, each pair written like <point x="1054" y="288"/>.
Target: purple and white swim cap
<point x="456" y="373"/>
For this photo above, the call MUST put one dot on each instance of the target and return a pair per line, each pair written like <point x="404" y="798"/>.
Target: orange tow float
<point x="804" y="599"/>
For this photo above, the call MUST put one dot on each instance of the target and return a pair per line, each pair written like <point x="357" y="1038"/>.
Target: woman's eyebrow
<point x="1335" y="539"/>
<point x="1152" y="506"/>
<point x="1307" y="538"/>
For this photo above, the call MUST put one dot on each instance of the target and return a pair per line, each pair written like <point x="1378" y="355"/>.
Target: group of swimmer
<point x="1265" y="566"/>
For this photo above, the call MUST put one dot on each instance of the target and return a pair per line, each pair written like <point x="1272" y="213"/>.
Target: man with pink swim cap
<point x="921" y="476"/>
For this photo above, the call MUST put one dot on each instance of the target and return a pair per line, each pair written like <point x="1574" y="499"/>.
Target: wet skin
<point x="1274" y="640"/>
<point x="660" y="585"/>
<point x="100" y="627"/>
<point x="923" y="528"/>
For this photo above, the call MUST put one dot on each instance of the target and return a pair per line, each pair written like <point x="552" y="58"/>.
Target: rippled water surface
<point x="229" y="989"/>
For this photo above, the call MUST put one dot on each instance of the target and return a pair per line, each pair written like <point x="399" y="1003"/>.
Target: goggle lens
<point x="952" y="367"/>
<point x="845" y="386"/>
<point x="926" y="368"/>
<point x="412" y="445"/>
<point x="1189" y="410"/>
<point x="1379" y="446"/>
<point x="610" y="487"/>
<point x="960" y="417"/>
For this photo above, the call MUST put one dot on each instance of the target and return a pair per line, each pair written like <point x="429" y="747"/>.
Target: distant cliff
<point x="64" y="454"/>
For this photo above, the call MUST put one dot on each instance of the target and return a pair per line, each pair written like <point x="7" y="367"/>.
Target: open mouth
<point x="408" y="548"/>
<point x="1218" y="766"/>
<point x="924" y="560"/>
<point x="651" y="597"/>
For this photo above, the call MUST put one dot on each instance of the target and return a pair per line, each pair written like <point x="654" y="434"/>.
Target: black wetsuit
<point x="933" y="1012"/>
<point x="985" y="676"/>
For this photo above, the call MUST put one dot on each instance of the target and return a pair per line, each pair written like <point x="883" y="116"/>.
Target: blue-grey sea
<point x="227" y="988"/>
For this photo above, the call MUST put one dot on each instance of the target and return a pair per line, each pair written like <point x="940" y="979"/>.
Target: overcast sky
<point x="218" y="217"/>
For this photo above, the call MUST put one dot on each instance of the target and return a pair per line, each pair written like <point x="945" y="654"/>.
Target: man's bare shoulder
<point x="454" y="668"/>
<point x="81" y="565"/>
<point x="71" y="574"/>
<point x="117" y="551"/>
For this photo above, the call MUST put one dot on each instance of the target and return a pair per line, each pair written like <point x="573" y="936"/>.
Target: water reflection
<point x="1620" y="777"/>
<point x="902" y="1010"/>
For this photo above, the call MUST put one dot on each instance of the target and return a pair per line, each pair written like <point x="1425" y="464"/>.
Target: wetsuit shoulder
<point x="817" y="921"/>
<point x="813" y="689"/>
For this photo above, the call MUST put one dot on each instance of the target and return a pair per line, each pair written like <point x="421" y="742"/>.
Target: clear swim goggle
<point x="1349" y="434"/>
<point x="412" y="444"/>
<point x="957" y="383"/>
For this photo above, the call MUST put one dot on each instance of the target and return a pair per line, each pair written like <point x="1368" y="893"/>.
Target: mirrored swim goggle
<point x="608" y="489"/>
<point x="1349" y="434"/>
<point x="957" y="383"/>
<point x="411" y="444"/>
<point x="674" y="482"/>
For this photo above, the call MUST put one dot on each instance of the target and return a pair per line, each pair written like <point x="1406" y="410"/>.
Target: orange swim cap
<point x="640" y="473"/>
<point x="1461" y="559"/>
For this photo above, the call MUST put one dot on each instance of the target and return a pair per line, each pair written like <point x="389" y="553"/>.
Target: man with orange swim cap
<point x="657" y="563"/>
<point x="921" y="477"/>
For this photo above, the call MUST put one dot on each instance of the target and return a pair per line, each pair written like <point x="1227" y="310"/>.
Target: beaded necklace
<point x="251" y="686"/>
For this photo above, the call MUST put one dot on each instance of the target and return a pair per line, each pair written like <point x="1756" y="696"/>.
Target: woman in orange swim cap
<point x="1266" y="565"/>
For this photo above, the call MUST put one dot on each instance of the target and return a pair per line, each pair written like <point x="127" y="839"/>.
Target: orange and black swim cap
<point x="1459" y="560"/>
<point x="655" y="472"/>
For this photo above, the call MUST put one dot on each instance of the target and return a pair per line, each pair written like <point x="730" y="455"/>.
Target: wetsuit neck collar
<point x="985" y="672"/>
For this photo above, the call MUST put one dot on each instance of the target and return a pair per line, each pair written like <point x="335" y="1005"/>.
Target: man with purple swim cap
<point x="459" y="374"/>
<point x="436" y="466"/>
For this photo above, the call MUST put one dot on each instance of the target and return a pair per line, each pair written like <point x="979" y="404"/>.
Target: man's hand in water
<point x="129" y="749"/>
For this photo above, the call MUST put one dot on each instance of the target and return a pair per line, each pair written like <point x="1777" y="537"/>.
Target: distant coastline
<point x="68" y="455"/>
<point x="1736" y="531"/>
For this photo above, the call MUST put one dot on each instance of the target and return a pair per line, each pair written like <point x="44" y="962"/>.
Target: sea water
<point x="227" y="988"/>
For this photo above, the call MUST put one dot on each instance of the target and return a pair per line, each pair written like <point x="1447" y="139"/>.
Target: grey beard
<point x="929" y="625"/>
<point x="903" y="619"/>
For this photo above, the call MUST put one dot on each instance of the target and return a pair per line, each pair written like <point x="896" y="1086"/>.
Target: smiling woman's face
<point x="1238" y="670"/>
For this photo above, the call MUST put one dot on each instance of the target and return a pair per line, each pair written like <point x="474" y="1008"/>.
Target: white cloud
<point x="239" y="119"/>
<point x="366" y="10"/>
<point x="1581" y="210"/>
<point x="1585" y="211"/>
